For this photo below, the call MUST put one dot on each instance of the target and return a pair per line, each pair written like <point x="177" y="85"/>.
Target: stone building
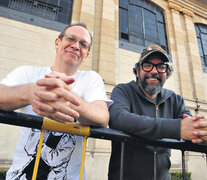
<point x="120" y="28"/>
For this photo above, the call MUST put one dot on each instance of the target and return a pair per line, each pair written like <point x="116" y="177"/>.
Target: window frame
<point x="148" y="6"/>
<point x="54" y="23"/>
<point x="200" y="41"/>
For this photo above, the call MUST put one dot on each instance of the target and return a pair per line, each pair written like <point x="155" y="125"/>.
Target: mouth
<point x="154" y="80"/>
<point x="71" y="52"/>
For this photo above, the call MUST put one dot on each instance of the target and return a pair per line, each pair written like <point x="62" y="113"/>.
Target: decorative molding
<point x="197" y="9"/>
<point x="180" y="8"/>
<point x="188" y="12"/>
<point x="175" y="6"/>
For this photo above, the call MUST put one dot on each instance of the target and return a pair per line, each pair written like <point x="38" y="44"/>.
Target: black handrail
<point x="32" y="121"/>
<point x="38" y="122"/>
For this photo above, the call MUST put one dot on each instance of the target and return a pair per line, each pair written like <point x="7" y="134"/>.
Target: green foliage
<point x="179" y="176"/>
<point x="174" y="175"/>
<point x="2" y="174"/>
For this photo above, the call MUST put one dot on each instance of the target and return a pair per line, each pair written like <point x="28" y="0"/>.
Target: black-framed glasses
<point x="148" y="66"/>
<point x="72" y="39"/>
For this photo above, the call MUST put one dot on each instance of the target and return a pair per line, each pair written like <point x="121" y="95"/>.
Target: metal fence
<point x="43" y="123"/>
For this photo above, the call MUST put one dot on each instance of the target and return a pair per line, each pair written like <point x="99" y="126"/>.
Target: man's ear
<point x="57" y="41"/>
<point x="83" y="60"/>
<point x="87" y="54"/>
<point x="137" y="73"/>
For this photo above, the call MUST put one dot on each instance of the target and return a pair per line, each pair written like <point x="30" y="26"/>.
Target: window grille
<point x="141" y="22"/>
<point x="57" y="10"/>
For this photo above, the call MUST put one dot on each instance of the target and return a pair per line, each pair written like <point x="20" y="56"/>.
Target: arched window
<point x="141" y="23"/>
<point x="201" y="33"/>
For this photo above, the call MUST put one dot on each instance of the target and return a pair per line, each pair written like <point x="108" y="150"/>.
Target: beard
<point x="151" y="88"/>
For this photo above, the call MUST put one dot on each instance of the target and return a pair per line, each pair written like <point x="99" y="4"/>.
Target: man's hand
<point x="200" y="132"/>
<point x="53" y="97"/>
<point x="194" y="128"/>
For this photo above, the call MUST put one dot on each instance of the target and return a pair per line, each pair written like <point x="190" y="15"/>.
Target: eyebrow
<point x="83" y="40"/>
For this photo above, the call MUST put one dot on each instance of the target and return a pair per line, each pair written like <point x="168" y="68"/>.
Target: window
<point x="201" y="33"/>
<point x="57" y="10"/>
<point x="141" y="23"/>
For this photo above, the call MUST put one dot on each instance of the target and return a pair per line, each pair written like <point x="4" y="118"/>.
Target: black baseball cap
<point x="153" y="49"/>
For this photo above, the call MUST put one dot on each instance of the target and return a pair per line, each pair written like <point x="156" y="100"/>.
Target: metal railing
<point x="42" y="123"/>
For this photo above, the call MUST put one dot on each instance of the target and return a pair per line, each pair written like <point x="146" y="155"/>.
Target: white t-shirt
<point x="61" y="153"/>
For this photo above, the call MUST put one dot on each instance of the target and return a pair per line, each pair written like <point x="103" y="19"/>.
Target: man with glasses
<point x="143" y="108"/>
<point x="63" y="93"/>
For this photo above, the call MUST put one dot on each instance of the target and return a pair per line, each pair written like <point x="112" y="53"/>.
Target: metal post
<point x="155" y="163"/>
<point x="37" y="160"/>
<point x="183" y="165"/>
<point x="206" y="157"/>
<point x="83" y="158"/>
<point x="122" y="162"/>
<point x="197" y="107"/>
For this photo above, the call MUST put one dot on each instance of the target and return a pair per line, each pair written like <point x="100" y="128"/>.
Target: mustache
<point x="153" y="76"/>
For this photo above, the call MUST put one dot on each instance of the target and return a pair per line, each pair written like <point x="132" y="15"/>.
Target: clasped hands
<point x="53" y="97"/>
<point x="194" y="129"/>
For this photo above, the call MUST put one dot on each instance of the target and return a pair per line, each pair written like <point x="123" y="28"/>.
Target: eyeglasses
<point x="148" y="66"/>
<point x="72" y="39"/>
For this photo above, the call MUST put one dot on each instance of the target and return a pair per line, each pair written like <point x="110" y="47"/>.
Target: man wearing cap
<point x="145" y="109"/>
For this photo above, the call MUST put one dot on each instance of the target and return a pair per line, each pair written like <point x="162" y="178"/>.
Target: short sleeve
<point x="17" y="77"/>
<point x="93" y="86"/>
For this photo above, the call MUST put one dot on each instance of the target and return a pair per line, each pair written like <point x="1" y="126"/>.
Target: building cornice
<point x="177" y="6"/>
<point x="187" y="7"/>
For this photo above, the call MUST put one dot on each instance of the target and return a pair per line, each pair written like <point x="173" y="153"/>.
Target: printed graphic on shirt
<point x="55" y="155"/>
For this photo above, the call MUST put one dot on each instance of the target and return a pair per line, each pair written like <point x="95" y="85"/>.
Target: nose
<point x="154" y="70"/>
<point x="75" y="45"/>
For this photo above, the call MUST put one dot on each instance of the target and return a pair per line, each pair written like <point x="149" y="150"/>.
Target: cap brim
<point x="163" y="55"/>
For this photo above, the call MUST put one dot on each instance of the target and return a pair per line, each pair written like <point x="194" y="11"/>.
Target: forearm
<point x="60" y="103"/>
<point x="14" y="97"/>
<point x="135" y="124"/>
<point x="95" y="113"/>
<point x="143" y="126"/>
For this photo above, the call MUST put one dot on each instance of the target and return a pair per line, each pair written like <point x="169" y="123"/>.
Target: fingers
<point x="200" y="133"/>
<point x="55" y="94"/>
<point x="194" y="128"/>
<point x="51" y="109"/>
<point x="201" y="124"/>
<point x="197" y="117"/>
<point x="54" y="82"/>
<point x="65" y="109"/>
<point x="61" y="76"/>
<point x="197" y="141"/>
<point x="201" y="137"/>
<point x="200" y="140"/>
<point x="39" y="105"/>
<point x="57" y="116"/>
<point x="52" y="95"/>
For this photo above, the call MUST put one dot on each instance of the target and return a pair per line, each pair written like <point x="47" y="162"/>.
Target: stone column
<point x="197" y="81"/>
<point x="180" y="50"/>
<point x="107" y="42"/>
